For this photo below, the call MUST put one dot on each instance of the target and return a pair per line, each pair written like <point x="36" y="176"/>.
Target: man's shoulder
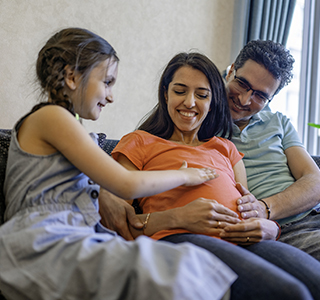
<point x="269" y="116"/>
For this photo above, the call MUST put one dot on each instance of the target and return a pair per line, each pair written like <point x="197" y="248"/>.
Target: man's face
<point x="243" y="103"/>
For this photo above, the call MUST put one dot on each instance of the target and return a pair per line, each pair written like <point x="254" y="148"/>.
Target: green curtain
<point x="260" y="19"/>
<point x="270" y="20"/>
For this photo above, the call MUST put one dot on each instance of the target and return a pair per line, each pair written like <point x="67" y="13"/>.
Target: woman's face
<point x="188" y="99"/>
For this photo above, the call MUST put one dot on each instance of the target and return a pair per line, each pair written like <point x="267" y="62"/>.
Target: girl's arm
<point x="53" y="128"/>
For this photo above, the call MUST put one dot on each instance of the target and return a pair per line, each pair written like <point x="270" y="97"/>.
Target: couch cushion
<point x="5" y="136"/>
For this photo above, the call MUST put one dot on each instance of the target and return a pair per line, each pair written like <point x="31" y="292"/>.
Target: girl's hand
<point x="204" y="216"/>
<point x="250" y="231"/>
<point x="197" y="176"/>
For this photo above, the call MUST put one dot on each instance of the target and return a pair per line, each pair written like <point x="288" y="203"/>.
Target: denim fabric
<point x="104" y="266"/>
<point x="282" y="272"/>
<point x="290" y="259"/>
<point x="304" y="234"/>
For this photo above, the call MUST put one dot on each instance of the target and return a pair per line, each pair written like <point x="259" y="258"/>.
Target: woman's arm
<point x="240" y="174"/>
<point x="202" y="216"/>
<point x="248" y="205"/>
<point x="199" y="216"/>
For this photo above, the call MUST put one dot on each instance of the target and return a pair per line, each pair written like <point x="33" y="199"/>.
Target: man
<point x="280" y="171"/>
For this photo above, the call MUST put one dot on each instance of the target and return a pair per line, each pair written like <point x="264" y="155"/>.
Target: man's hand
<point x="116" y="213"/>
<point x="249" y="206"/>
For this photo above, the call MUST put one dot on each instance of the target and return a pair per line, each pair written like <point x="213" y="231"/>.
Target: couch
<point x="5" y="135"/>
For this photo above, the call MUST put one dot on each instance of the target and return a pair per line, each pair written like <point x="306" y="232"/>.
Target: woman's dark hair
<point x="273" y="56"/>
<point x="218" y="120"/>
<point x="78" y="48"/>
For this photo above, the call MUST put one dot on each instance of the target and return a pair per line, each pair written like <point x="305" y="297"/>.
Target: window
<point x="287" y="101"/>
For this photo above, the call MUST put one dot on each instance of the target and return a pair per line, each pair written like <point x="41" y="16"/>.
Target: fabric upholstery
<point x="5" y="136"/>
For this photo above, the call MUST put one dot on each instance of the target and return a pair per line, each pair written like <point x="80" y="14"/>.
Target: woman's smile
<point x="187" y="113"/>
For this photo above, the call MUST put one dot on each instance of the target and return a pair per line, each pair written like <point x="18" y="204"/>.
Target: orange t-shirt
<point x="149" y="152"/>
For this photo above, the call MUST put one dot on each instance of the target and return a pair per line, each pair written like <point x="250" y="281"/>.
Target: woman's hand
<point x="204" y="216"/>
<point x="250" y="231"/>
<point x="116" y="213"/>
<point x="196" y="176"/>
<point x="249" y="206"/>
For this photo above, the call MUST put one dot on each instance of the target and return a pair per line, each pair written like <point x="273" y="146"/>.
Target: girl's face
<point x="98" y="91"/>
<point x="188" y="99"/>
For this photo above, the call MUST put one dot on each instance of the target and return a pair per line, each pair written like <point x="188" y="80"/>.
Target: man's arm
<point x="117" y="213"/>
<point x="304" y="193"/>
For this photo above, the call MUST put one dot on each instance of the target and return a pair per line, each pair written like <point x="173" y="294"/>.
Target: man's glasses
<point x="243" y="87"/>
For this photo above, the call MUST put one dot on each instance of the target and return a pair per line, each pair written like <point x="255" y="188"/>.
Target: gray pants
<point x="304" y="234"/>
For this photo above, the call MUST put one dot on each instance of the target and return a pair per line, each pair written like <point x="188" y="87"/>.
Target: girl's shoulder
<point x="51" y="108"/>
<point x="38" y="131"/>
<point x="51" y="114"/>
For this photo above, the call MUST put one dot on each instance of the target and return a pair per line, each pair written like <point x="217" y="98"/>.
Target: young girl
<point x="52" y="245"/>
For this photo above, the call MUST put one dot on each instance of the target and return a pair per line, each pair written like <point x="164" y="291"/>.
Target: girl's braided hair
<point x="78" y="48"/>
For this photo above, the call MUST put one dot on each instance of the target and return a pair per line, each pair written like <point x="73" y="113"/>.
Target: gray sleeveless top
<point x="47" y="183"/>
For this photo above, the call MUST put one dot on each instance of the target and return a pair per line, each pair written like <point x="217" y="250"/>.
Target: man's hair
<point x="273" y="56"/>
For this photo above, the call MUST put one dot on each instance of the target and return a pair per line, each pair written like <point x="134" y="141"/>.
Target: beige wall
<point x="145" y="33"/>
